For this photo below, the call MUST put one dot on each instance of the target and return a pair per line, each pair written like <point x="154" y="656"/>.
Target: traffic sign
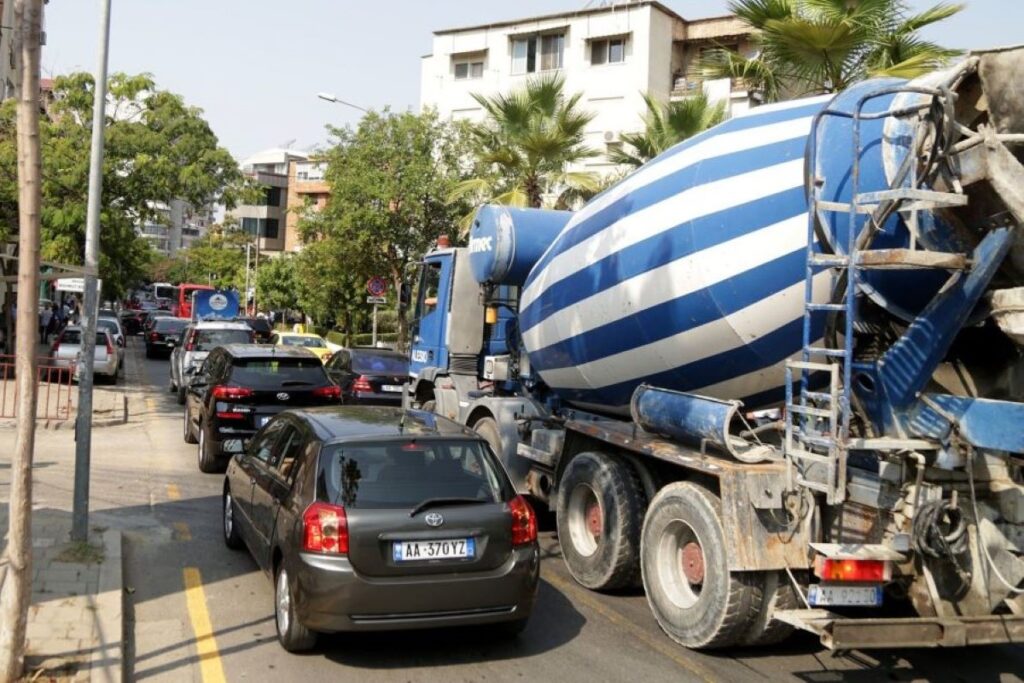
<point x="75" y="284"/>
<point x="376" y="299"/>
<point x="377" y="287"/>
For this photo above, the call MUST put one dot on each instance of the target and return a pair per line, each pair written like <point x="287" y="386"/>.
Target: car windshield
<point x="403" y="474"/>
<point x="74" y="338"/>
<point x="107" y="324"/>
<point x="307" y="342"/>
<point x="380" y="364"/>
<point x="207" y="340"/>
<point x="171" y="325"/>
<point x="268" y="373"/>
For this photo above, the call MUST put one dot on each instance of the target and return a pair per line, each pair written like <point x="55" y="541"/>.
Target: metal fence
<point x="53" y="389"/>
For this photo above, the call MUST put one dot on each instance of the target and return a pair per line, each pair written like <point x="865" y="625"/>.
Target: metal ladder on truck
<point x="817" y="437"/>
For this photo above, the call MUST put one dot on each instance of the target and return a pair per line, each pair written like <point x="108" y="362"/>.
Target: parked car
<point x="240" y="387"/>
<point x="262" y="328"/>
<point x="67" y="350"/>
<point x="196" y="342"/>
<point x="313" y="342"/>
<point x="368" y="375"/>
<point x="377" y="518"/>
<point x="163" y="336"/>
<point x="113" y="326"/>
<point x="151" y="317"/>
<point x="131" y="320"/>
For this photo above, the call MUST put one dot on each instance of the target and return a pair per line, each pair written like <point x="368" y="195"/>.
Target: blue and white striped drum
<point x="689" y="274"/>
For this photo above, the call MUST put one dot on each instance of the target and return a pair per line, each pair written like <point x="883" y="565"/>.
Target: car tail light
<point x="190" y="343"/>
<point x="362" y="384"/>
<point x="153" y="336"/>
<point x="332" y="391"/>
<point x="325" y="529"/>
<point x="110" y="346"/>
<point x="231" y="393"/>
<point x="524" y="522"/>
<point x="873" y="571"/>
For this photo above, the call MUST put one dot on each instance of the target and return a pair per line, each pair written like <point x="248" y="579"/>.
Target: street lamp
<point x="328" y="97"/>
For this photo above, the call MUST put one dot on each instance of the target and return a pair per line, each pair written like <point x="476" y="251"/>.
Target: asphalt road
<point x="198" y="611"/>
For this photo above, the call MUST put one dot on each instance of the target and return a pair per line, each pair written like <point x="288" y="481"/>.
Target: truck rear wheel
<point x="697" y="601"/>
<point x="600" y="513"/>
<point x="777" y="594"/>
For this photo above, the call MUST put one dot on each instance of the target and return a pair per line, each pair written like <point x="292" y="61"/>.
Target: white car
<point x="113" y="326"/>
<point x="67" y="351"/>
<point x="195" y="345"/>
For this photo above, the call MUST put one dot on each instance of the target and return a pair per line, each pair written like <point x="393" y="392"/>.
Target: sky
<point x="255" y="66"/>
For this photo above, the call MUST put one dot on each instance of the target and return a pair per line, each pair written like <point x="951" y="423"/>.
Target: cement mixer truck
<point x="775" y="375"/>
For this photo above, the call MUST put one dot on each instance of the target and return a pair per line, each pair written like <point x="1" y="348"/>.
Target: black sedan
<point x="240" y="387"/>
<point x="370" y="519"/>
<point x="260" y="326"/>
<point x="369" y="376"/>
<point x="163" y="335"/>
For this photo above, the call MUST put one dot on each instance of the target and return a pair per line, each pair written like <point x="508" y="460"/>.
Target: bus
<point x="165" y="290"/>
<point x="183" y="303"/>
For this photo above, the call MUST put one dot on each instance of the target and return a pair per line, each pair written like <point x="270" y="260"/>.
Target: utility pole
<point x="83" y="431"/>
<point x="245" y="296"/>
<point x="16" y="563"/>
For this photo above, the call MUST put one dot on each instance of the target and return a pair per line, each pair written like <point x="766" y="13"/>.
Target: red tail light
<point x="325" y="529"/>
<point x="362" y="385"/>
<point x="231" y="393"/>
<point x="153" y="336"/>
<point x="190" y="343"/>
<point x="524" y="522"/>
<point x="110" y="346"/>
<point x="874" y="571"/>
<point x="333" y="391"/>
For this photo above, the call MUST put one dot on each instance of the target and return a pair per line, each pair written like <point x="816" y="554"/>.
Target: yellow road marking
<point x="210" y="667"/>
<point x="181" y="531"/>
<point x="661" y="645"/>
<point x="173" y="492"/>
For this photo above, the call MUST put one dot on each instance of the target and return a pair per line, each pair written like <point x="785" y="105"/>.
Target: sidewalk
<point x="75" y="627"/>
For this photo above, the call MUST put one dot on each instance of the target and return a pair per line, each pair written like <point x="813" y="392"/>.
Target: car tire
<point x="232" y="539"/>
<point x="207" y="460"/>
<point x="696" y="599"/>
<point x="187" y="429"/>
<point x="599" y="518"/>
<point x="293" y="636"/>
<point x="181" y="396"/>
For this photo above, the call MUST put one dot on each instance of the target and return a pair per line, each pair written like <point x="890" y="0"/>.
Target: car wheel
<point x="293" y="636"/>
<point x="187" y="426"/>
<point x="231" y="537"/>
<point x="207" y="461"/>
<point x="181" y="396"/>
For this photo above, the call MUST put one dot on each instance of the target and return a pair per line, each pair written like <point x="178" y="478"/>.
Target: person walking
<point x="45" y="319"/>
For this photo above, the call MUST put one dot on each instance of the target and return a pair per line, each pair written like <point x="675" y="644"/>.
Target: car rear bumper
<point x="331" y="596"/>
<point x="374" y="399"/>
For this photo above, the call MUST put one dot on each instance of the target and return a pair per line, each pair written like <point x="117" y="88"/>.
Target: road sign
<point x="75" y="284"/>
<point x="376" y="299"/>
<point x="377" y="287"/>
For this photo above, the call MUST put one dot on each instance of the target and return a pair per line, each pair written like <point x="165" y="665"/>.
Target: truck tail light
<point x="862" y="571"/>
<point x="226" y="393"/>
<point x="362" y="384"/>
<point x="524" y="522"/>
<point x="332" y="391"/>
<point x="325" y="529"/>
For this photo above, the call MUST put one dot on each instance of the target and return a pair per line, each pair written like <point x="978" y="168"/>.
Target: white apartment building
<point x="612" y="54"/>
<point x="266" y="220"/>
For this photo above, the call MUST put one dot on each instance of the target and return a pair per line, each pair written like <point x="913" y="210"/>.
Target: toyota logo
<point x="434" y="519"/>
<point x="282" y="396"/>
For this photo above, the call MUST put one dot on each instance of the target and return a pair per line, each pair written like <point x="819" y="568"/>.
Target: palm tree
<point x="823" y="46"/>
<point x="523" y="148"/>
<point x="666" y="124"/>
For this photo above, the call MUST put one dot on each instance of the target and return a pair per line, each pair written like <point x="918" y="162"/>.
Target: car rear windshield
<point x="207" y="340"/>
<point x="258" y="324"/>
<point x="269" y="373"/>
<point x="74" y="337"/>
<point x="107" y="325"/>
<point x="379" y="364"/>
<point x="403" y="474"/>
<point x="307" y="342"/>
<point x="170" y="325"/>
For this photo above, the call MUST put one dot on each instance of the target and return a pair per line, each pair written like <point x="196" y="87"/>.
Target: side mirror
<point x="404" y="296"/>
<point x="120" y="341"/>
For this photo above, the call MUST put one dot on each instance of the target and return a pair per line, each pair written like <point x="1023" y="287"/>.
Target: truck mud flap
<point x="838" y="633"/>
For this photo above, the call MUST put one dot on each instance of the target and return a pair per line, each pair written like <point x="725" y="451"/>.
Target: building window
<point x="261" y="227"/>
<point x="272" y="196"/>
<point x="270" y="229"/>
<point x="467" y="70"/>
<point x="524" y="53"/>
<point x="608" y="51"/>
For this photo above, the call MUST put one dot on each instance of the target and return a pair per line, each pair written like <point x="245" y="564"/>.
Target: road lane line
<point x="181" y="531"/>
<point x="662" y="646"/>
<point x="173" y="492"/>
<point x="210" y="667"/>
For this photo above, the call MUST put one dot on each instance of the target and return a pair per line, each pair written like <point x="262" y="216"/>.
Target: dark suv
<point x="372" y="519"/>
<point x="240" y="387"/>
<point x="163" y="336"/>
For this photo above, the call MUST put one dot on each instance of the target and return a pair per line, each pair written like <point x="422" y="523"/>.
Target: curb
<point x="107" y="662"/>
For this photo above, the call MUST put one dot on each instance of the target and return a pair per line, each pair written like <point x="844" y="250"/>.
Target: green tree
<point x="823" y="46"/>
<point x="523" y="149"/>
<point x="667" y="124"/>
<point x="390" y="178"/>
<point x="157" y="148"/>
<point x="277" y="283"/>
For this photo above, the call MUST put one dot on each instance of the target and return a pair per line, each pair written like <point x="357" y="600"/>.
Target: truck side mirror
<point x="404" y="296"/>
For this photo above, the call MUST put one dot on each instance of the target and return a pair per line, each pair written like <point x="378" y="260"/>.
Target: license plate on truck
<point x="448" y="549"/>
<point x="844" y="596"/>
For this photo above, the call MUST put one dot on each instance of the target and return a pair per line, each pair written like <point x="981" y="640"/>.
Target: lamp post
<point x="328" y="97"/>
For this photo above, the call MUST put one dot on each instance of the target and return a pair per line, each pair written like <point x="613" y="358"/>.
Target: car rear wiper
<point x="438" y="502"/>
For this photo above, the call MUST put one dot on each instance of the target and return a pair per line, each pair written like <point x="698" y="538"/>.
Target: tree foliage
<point x="217" y="258"/>
<point x="822" y="46"/>
<point x="157" y="148"/>
<point x="278" y="284"/>
<point x="667" y="124"/>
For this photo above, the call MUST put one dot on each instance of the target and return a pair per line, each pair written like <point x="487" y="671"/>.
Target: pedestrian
<point x="54" y="320"/>
<point x="45" y="318"/>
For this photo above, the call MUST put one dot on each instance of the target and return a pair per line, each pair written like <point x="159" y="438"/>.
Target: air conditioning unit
<point x="611" y="137"/>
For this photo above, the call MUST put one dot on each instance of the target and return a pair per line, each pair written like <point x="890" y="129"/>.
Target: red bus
<point x="183" y="307"/>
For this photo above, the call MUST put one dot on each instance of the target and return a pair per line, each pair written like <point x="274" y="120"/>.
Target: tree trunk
<point x="15" y="592"/>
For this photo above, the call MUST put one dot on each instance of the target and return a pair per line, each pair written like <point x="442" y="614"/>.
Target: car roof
<point x="220" y="325"/>
<point x="373" y="351"/>
<point x="344" y="423"/>
<point x="266" y="351"/>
